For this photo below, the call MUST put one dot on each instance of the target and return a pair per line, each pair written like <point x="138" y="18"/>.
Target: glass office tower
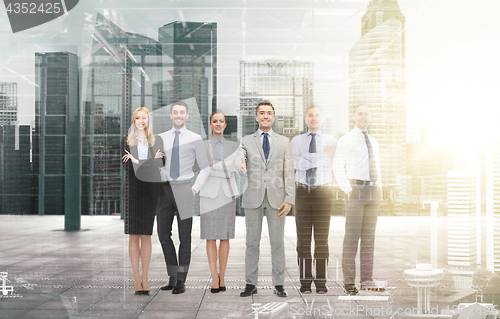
<point x="16" y="194"/>
<point x="191" y="48"/>
<point x="56" y="136"/>
<point x="287" y="84"/>
<point x="8" y="102"/>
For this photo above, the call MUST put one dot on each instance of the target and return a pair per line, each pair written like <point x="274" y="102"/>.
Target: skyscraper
<point x="192" y="48"/>
<point x="377" y="79"/>
<point x="287" y="84"/>
<point x="8" y="102"/>
<point x="16" y="194"/>
<point x="56" y="139"/>
<point x="464" y="215"/>
<point x="493" y="206"/>
<point x="119" y="78"/>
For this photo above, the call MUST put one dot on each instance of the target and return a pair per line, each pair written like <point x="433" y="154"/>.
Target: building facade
<point x="493" y="205"/>
<point x="288" y="85"/>
<point x="56" y="136"/>
<point x="464" y="219"/>
<point x="17" y="196"/>
<point x="8" y="102"/>
<point x="191" y="60"/>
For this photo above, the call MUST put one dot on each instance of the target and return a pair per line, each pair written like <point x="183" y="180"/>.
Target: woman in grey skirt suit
<point x="218" y="198"/>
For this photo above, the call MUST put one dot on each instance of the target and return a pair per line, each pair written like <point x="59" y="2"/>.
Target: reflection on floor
<point x="87" y="274"/>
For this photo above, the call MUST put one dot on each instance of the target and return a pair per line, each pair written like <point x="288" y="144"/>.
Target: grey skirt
<point x="216" y="221"/>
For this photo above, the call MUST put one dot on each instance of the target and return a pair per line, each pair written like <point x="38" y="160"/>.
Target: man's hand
<point x="194" y="192"/>
<point x="285" y="209"/>
<point x="243" y="166"/>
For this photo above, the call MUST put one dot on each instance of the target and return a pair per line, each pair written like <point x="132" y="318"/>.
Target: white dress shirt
<point x="191" y="148"/>
<point x="142" y="149"/>
<point x="352" y="161"/>
<point x="270" y="137"/>
<point x="322" y="160"/>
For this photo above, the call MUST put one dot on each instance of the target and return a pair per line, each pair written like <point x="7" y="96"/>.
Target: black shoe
<point x="321" y="290"/>
<point x="145" y="292"/>
<point x="249" y="290"/>
<point x="305" y="290"/>
<point x="351" y="289"/>
<point x="179" y="288"/>
<point x="171" y="284"/>
<point x="214" y="290"/>
<point x="279" y="291"/>
<point x="221" y="288"/>
<point x="138" y="292"/>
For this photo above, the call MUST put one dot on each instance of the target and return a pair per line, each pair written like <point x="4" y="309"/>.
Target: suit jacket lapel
<point x="134" y="151"/>
<point x="213" y="152"/>
<point x="259" y="146"/>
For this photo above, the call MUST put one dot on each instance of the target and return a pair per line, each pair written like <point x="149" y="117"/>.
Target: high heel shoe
<point x="221" y="288"/>
<point x="215" y="290"/>
<point x="138" y="292"/>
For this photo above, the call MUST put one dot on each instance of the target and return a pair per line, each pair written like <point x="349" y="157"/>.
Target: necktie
<point x="174" y="162"/>
<point x="371" y="155"/>
<point x="265" y="145"/>
<point x="311" y="173"/>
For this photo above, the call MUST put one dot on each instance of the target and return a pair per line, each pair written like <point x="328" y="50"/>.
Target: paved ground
<point x="87" y="274"/>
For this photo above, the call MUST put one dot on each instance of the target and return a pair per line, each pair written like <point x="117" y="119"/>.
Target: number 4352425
<point x="27" y="7"/>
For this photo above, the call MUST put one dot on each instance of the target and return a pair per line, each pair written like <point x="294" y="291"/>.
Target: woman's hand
<point x="243" y="166"/>
<point x="129" y="156"/>
<point x="159" y="154"/>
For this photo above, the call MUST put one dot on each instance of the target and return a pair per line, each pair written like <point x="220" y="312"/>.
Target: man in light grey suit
<point x="270" y="192"/>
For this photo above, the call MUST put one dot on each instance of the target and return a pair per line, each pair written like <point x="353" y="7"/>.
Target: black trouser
<point x="313" y="208"/>
<point x="361" y="220"/>
<point x="166" y="212"/>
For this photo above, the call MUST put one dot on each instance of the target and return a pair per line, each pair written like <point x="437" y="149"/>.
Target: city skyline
<point x="437" y="46"/>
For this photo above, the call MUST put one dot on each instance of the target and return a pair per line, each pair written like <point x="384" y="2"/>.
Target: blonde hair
<point x="131" y="138"/>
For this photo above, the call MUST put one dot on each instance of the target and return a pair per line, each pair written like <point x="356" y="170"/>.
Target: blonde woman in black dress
<point x="142" y="155"/>
<point x="218" y="198"/>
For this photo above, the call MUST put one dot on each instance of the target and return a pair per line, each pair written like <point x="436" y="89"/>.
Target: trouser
<point x="176" y="267"/>
<point x="361" y="220"/>
<point x="313" y="208"/>
<point x="276" y="227"/>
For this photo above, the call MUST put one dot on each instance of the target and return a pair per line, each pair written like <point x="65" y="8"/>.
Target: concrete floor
<point x="87" y="274"/>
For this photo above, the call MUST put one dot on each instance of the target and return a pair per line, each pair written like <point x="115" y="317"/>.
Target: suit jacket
<point x="218" y="178"/>
<point x="275" y="175"/>
<point x="147" y="170"/>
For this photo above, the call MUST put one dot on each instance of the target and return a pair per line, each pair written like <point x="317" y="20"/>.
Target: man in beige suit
<point x="270" y="192"/>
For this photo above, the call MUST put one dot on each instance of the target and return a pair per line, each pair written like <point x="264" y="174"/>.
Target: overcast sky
<point x="452" y="50"/>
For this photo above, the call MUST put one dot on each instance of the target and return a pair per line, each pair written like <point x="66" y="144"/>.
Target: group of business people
<point x="162" y="167"/>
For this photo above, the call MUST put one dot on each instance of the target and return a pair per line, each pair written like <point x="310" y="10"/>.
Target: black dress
<point x="141" y="189"/>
